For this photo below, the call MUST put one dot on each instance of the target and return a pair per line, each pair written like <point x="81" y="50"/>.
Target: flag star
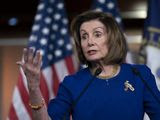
<point x="50" y="56"/>
<point x="33" y="38"/>
<point x="101" y="1"/>
<point x="69" y="46"/>
<point x="45" y="31"/>
<point x="43" y="41"/>
<point x="51" y="47"/>
<point x="41" y="6"/>
<point x="98" y="9"/>
<point x="49" y="10"/>
<point x="48" y="20"/>
<point x="38" y="17"/>
<point x="57" y="16"/>
<point x="41" y="52"/>
<point x="51" y="1"/>
<point x="110" y="5"/>
<point x="60" y="5"/>
<point x="53" y="36"/>
<point x="33" y="48"/>
<point x="58" y="53"/>
<point x="35" y="27"/>
<point x="60" y="42"/>
<point x="118" y="19"/>
<point x="64" y="21"/>
<point x="63" y="31"/>
<point x="55" y="27"/>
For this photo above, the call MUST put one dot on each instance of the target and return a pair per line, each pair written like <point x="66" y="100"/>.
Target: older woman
<point x="108" y="89"/>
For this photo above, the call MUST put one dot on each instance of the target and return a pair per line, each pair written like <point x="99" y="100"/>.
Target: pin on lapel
<point x="128" y="86"/>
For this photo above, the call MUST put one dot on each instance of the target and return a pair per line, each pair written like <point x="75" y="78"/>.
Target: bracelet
<point x="37" y="107"/>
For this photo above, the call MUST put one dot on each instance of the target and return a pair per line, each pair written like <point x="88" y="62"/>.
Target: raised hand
<point x="31" y="66"/>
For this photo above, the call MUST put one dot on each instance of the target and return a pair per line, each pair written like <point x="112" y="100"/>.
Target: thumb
<point x="21" y="64"/>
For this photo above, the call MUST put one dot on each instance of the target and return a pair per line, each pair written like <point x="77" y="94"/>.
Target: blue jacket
<point x="107" y="99"/>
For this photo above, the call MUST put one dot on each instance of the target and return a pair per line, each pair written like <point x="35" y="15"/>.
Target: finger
<point x="21" y="64"/>
<point x="25" y="55"/>
<point x="38" y="59"/>
<point x="30" y="55"/>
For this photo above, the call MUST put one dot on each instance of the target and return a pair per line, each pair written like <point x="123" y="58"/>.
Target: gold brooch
<point x="128" y="86"/>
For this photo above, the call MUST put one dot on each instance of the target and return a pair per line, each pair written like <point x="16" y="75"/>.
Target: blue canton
<point x="50" y="32"/>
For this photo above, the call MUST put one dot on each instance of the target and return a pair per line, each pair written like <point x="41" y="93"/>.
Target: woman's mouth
<point x="91" y="52"/>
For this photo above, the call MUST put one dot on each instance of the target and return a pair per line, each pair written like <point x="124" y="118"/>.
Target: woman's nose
<point x="90" y="41"/>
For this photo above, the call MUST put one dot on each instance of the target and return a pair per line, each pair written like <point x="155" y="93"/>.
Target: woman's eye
<point x="83" y="37"/>
<point x="98" y="35"/>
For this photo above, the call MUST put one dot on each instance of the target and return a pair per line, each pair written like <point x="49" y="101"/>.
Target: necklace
<point x="114" y="73"/>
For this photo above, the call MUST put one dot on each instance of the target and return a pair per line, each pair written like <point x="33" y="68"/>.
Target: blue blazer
<point x="107" y="99"/>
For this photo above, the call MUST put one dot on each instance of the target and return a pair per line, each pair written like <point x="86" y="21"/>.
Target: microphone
<point x="137" y="73"/>
<point x="96" y="73"/>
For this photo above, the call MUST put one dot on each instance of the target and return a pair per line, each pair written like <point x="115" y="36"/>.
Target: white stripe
<point x="146" y="117"/>
<point x="24" y="79"/>
<point x="19" y="107"/>
<point x="61" y="69"/>
<point x="75" y="62"/>
<point x="48" y="73"/>
<point x="130" y="58"/>
<point x="153" y="58"/>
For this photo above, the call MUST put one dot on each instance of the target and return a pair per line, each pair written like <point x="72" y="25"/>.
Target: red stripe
<point x="24" y="94"/>
<point x="44" y="89"/>
<point x="55" y="81"/>
<point x="69" y="64"/>
<point x="12" y="113"/>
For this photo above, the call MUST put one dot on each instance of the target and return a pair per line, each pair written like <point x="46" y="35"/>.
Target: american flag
<point x="50" y="35"/>
<point x="152" y="37"/>
<point x="109" y="6"/>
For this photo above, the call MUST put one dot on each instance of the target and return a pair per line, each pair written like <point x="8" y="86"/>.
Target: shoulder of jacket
<point x="80" y="74"/>
<point x="139" y="67"/>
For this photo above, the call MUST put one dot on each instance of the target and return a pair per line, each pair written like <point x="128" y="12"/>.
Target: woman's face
<point x="93" y="40"/>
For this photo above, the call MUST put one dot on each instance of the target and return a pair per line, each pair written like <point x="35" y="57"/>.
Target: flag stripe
<point x="55" y="81"/>
<point x="48" y="75"/>
<point x="75" y="62"/>
<point x="61" y="69"/>
<point x="69" y="64"/>
<point x="12" y="114"/>
<point x="19" y="106"/>
<point x="24" y="80"/>
<point x="24" y="94"/>
<point x="44" y="89"/>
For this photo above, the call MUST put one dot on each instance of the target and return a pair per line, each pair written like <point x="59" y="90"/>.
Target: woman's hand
<point x="31" y="66"/>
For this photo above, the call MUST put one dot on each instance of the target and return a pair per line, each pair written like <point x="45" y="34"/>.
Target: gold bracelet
<point x="37" y="107"/>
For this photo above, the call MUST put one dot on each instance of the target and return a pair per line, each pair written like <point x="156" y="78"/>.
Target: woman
<point x="108" y="89"/>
